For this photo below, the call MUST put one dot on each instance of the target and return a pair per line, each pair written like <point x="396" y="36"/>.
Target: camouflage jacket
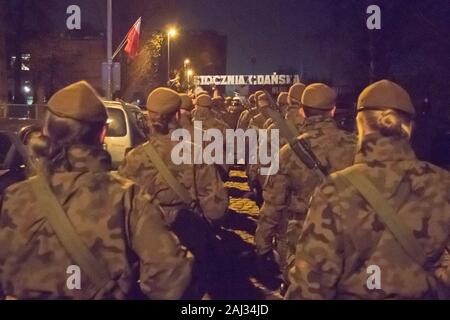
<point x="185" y="120"/>
<point x="293" y="116"/>
<point x="343" y="236"/>
<point x="201" y="180"/>
<point x="296" y="121"/>
<point x="257" y="121"/>
<point x="209" y="120"/>
<point x="113" y="218"/>
<point x="245" y="117"/>
<point x="287" y="193"/>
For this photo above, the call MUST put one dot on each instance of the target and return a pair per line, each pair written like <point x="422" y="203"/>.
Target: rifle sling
<point x="305" y="155"/>
<point x="95" y="269"/>
<point x="385" y="212"/>
<point x="167" y="175"/>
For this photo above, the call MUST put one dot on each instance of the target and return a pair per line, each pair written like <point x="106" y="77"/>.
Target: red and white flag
<point x="133" y="39"/>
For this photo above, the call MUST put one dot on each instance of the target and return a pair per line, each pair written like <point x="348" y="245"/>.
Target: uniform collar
<point x="88" y="158"/>
<point x="377" y="148"/>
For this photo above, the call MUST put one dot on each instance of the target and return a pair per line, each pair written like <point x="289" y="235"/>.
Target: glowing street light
<point x="172" y="32"/>
<point x="189" y="73"/>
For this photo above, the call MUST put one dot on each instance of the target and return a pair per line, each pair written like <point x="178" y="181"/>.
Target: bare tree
<point x="143" y="71"/>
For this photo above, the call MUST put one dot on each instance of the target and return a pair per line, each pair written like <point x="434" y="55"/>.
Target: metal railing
<point x="22" y="111"/>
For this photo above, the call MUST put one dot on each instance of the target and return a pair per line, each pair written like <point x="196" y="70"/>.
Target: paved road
<point x="239" y="278"/>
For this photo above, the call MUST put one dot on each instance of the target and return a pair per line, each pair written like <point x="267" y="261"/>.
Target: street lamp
<point x="189" y="73"/>
<point x="185" y="64"/>
<point x="172" y="32"/>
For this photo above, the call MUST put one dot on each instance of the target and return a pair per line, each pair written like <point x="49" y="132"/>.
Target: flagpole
<point x="109" y="51"/>
<point x="120" y="47"/>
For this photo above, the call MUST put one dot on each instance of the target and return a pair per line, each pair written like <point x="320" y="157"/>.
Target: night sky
<point x="322" y="40"/>
<point x="268" y="31"/>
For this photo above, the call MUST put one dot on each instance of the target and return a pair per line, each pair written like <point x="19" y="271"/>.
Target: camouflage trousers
<point x="286" y="245"/>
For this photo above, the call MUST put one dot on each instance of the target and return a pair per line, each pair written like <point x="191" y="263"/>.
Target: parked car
<point x="127" y="128"/>
<point x="14" y="162"/>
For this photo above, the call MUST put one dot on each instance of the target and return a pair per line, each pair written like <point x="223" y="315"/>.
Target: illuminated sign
<point x="245" y="80"/>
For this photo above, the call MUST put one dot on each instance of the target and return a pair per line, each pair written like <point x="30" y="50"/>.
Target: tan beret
<point x="228" y="99"/>
<point x="295" y="93"/>
<point x="217" y="101"/>
<point x="198" y="94"/>
<point x="318" y="96"/>
<point x="186" y="102"/>
<point x="78" y="101"/>
<point x="257" y="94"/>
<point x="204" y="100"/>
<point x="218" y="98"/>
<point x="282" y="98"/>
<point x="163" y="100"/>
<point x="385" y="94"/>
<point x="263" y="100"/>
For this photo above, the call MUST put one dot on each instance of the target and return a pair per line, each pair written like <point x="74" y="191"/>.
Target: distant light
<point x="172" y="32"/>
<point x="190" y="72"/>
<point x="26" y="89"/>
<point x="187" y="61"/>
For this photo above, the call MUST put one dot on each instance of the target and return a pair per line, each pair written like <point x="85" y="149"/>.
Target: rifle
<point x="299" y="145"/>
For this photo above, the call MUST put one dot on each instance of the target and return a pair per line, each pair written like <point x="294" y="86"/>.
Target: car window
<point x="116" y="123"/>
<point x="5" y="145"/>
<point x="10" y="157"/>
<point x="141" y="122"/>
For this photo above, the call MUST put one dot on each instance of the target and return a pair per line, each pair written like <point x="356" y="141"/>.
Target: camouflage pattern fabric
<point x="342" y="235"/>
<point x="209" y="121"/>
<point x="245" y="117"/>
<point x="114" y="218"/>
<point x="293" y="116"/>
<point x="287" y="193"/>
<point x="202" y="181"/>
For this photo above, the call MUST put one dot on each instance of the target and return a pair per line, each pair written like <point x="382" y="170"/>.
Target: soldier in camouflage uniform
<point x="256" y="181"/>
<point x="112" y="216"/>
<point x="292" y="110"/>
<point x="185" y="117"/>
<point x="218" y="107"/>
<point x="234" y="112"/>
<point x="343" y="235"/>
<point x="247" y="115"/>
<point x="282" y="104"/>
<point x="286" y="193"/>
<point x="292" y="114"/>
<point x="210" y="121"/>
<point x="258" y="120"/>
<point x="201" y="180"/>
<point x="204" y="113"/>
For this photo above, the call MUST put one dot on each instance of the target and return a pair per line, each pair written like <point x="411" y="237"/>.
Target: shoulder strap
<point x="385" y="212"/>
<point x="67" y="235"/>
<point x="167" y="175"/>
<point x="299" y="146"/>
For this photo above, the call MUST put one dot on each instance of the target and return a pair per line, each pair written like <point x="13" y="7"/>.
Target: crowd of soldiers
<point x="149" y="229"/>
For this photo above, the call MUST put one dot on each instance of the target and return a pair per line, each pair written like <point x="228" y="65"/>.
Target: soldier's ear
<point x="103" y="133"/>
<point x="333" y="111"/>
<point x="301" y="112"/>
